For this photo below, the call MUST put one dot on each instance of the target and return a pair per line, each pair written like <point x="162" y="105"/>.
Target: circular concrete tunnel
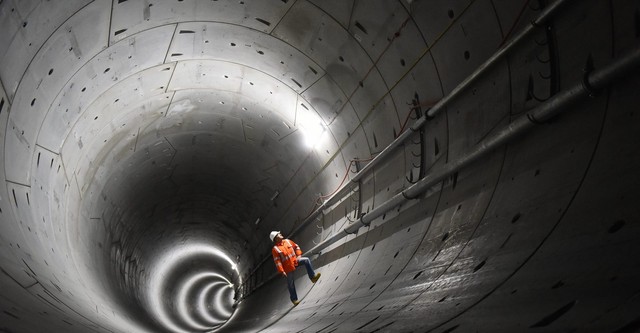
<point x="465" y="166"/>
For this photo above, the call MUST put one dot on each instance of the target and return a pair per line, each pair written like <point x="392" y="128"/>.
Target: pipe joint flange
<point x="346" y="231"/>
<point x="404" y="194"/>
<point x="427" y="117"/>
<point x="361" y="219"/>
<point x="533" y="119"/>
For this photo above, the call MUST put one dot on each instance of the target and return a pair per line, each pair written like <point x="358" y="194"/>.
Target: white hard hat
<point x="273" y="234"/>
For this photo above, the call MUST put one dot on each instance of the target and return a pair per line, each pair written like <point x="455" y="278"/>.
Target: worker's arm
<point x="296" y="248"/>
<point x="276" y="260"/>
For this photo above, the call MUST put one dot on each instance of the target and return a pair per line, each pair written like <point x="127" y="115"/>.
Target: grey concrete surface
<point x="149" y="147"/>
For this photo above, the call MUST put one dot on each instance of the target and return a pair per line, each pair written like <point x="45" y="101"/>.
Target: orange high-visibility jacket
<point x="285" y="255"/>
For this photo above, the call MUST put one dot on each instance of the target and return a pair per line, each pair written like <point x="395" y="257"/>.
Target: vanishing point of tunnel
<point x="447" y="165"/>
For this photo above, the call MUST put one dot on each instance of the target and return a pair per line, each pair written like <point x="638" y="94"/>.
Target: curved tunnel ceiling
<point x="150" y="147"/>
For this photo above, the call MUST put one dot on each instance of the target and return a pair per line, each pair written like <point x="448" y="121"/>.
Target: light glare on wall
<point x="311" y="127"/>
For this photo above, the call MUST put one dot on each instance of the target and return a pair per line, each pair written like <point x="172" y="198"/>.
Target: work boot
<point x="315" y="278"/>
<point x="295" y="302"/>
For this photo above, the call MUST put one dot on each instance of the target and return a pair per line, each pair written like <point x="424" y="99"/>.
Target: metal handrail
<point x="546" y="14"/>
<point x="592" y="82"/>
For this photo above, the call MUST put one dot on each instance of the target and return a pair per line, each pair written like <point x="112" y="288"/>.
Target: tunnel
<point x="447" y="166"/>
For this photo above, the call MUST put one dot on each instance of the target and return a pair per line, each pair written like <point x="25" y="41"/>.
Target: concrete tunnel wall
<point x="150" y="147"/>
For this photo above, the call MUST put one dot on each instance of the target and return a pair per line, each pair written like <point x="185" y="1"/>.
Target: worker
<point x="287" y="255"/>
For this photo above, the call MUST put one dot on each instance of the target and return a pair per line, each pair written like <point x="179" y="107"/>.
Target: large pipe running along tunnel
<point x="449" y="166"/>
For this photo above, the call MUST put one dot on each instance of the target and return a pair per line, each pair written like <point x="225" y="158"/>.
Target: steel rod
<point x="557" y="104"/>
<point x="547" y="13"/>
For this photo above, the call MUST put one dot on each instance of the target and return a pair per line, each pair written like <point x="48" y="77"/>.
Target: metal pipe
<point x="558" y="103"/>
<point x="437" y="108"/>
<point x="546" y="14"/>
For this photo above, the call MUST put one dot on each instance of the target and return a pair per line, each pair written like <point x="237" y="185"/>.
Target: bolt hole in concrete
<point x="480" y="265"/>
<point x="549" y="319"/>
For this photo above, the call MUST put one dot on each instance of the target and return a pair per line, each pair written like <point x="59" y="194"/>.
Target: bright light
<point x="184" y="291"/>
<point x="202" y="303"/>
<point x="311" y="127"/>
<point x="165" y="265"/>
<point x="219" y="301"/>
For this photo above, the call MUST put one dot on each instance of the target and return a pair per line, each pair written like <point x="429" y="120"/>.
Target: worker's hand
<point x="284" y="274"/>
<point x="298" y="258"/>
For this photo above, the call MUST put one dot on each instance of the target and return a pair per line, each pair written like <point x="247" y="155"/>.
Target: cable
<point x="427" y="104"/>
<point x="345" y="176"/>
<point x="319" y="199"/>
